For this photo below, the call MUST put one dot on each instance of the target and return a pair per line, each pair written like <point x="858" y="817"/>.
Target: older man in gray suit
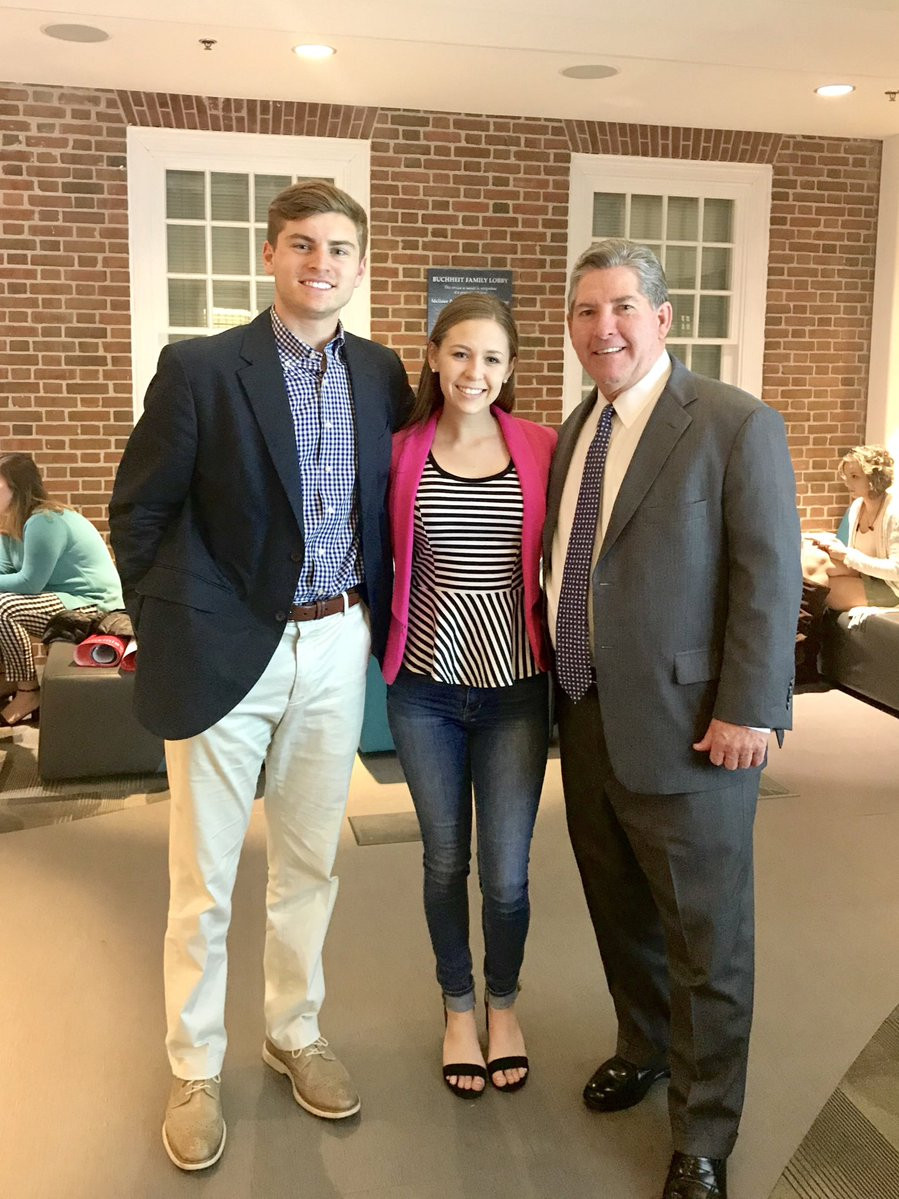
<point x="673" y="584"/>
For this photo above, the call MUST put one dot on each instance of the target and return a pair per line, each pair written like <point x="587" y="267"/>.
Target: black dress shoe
<point x="619" y="1084"/>
<point x="692" y="1177"/>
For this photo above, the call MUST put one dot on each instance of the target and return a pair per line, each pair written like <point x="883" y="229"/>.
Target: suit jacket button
<point x="281" y="616"/>
<point x="296" y="556"/>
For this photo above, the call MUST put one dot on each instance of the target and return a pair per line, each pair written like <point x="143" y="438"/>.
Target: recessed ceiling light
<point x="76" y="33"/>
<point x="835" y="89"/>
<point x="311" y="50"/>
<point x="589" y="71"/>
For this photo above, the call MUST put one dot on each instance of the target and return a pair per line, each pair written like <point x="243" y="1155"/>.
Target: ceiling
<point x="732" y="64"/>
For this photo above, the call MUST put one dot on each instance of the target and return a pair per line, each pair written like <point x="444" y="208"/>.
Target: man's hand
<point x="733" y="746"/>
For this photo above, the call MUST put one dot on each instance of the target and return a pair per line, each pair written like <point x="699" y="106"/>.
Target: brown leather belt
<point x="325" y="607"/>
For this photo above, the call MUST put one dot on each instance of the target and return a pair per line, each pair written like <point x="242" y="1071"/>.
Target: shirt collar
<point x="630" y="403"/>
<point x="293" y="350"/>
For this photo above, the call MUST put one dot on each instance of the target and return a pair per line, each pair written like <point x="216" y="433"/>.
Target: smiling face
<point x="472" y="363"/>
<point x="616" y="333"/>
<point x="316" y="267"/>
<point x="855" y="479"/>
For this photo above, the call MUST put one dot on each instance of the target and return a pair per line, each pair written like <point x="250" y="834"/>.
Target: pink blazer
<point x="531" y="449"/>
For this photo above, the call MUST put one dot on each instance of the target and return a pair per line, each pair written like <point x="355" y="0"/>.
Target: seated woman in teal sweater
<point x="51" y="560"/>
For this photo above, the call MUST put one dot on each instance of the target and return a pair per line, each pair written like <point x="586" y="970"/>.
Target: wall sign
<point x="445" y="284"/>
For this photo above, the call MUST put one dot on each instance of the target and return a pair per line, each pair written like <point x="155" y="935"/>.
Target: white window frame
<point x="151" y="152"/>
<point x="748" y="185"/>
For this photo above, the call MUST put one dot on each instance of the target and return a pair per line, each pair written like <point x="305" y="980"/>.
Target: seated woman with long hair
<point x="51" y="560"/>
<point x="865" y="572"/>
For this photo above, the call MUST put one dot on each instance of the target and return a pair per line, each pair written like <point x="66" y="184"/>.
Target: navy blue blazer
<point x="206" y="517"/>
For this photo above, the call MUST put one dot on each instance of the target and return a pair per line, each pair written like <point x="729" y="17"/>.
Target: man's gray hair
<point x="617" y="251"/>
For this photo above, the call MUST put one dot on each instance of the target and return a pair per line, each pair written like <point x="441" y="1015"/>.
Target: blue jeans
<point x="449" y="739"/>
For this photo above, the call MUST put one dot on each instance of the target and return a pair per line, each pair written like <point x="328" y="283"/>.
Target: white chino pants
<point x="302" y="720"/>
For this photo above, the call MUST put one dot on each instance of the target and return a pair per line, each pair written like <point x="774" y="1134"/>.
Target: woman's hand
<point x="832" y="546"/>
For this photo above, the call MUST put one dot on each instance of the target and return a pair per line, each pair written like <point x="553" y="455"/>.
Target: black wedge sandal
<point x="463" y="1070"/>
<point x="516" y="1061"/>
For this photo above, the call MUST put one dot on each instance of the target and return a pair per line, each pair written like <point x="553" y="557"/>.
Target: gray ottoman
<point x="864" y="659"/>
<point x="88" y="729"/>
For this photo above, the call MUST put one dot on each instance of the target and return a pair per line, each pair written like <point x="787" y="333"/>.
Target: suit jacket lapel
<point x="263" y="382"/>
<point x="370" y="410"/>
<point x="664" y="429"/>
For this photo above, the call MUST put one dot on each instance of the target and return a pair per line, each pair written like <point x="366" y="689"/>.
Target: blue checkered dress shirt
<point x="321" y="404"/>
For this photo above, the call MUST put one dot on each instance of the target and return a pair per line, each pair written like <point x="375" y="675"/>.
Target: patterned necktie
<point x="573" y="657"/>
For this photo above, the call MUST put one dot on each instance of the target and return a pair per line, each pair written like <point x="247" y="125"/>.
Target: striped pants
<point x="21" y="618"/>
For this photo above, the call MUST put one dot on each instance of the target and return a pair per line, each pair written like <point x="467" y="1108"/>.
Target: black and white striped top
<point x="466" y="605"/>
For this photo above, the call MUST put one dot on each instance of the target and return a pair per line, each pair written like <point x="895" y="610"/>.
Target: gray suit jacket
<point x="696" y="591"/>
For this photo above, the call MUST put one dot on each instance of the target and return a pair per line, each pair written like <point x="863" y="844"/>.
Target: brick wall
<point x="447" y="190"/>
<point x="65" y="353"/>
<point x="468" y="191"/>
<point x="820" y="292"/>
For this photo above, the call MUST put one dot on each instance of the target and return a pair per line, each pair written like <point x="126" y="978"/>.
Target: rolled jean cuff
<point x="500" y="1002"/>
<point x="459" y="1003"/>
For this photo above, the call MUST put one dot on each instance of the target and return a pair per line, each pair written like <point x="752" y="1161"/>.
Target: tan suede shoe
<point x="194" y="1130"/>
<point x="320" y="1083"/>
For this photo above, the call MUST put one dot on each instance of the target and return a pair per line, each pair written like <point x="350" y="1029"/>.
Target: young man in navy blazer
<point x="249" y="526"/>
<point x="673" y="586"/>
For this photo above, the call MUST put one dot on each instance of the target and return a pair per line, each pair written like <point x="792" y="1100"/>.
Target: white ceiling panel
<point x="745" y="64"/>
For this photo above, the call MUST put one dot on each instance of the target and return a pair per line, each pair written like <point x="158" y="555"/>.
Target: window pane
<point x="185" y="195"/>
<point x="682" y="325"/>
<point x="646" y="217"/>
<point x="713" y="314"/>
<point x="680" y="266"/>
<point x="707" y="361"/>
<point x="717" y="220"/>
<point x="683" y="218"/>
<point x="267" y="187"/>
<point x="716" y="268"/>
<point x="186" y="249"/>
<point x="230" y="251"/>
<point x="608" y="214"/>
<point x="173" y="337"/>
<point x="265" y="294"/>
<point x="679" y="351"/>
<point x="230" y="304"/>
<point x="230" y="195"/>
<point x="187" y="303"/>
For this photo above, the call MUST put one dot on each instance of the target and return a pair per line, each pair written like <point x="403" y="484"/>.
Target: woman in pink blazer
<point x="466" y="665"/>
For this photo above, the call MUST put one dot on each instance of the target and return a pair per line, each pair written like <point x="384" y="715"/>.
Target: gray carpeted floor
<point x="852" y="1149"/>
<point x="83" y="1075"/>
<point x="26" y="801"/>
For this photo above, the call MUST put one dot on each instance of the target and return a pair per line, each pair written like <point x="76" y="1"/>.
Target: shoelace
<point x="201" y="1084"/>
<point x="317" y="1047"/>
